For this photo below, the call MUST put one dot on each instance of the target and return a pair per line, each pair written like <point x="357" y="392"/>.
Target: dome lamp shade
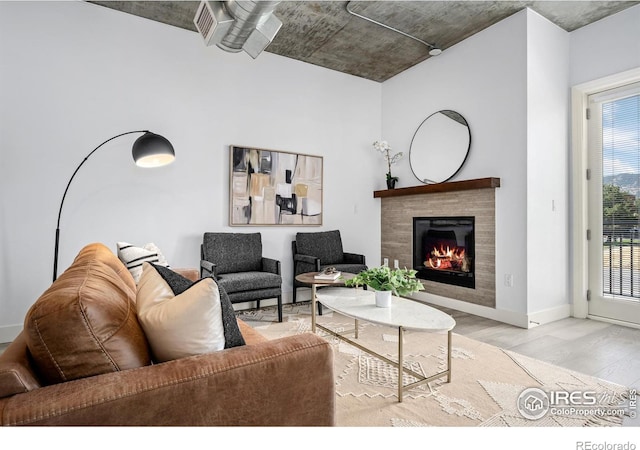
<point x="152" y="150"/>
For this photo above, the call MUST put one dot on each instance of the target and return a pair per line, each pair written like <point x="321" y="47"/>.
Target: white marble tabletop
<point x="409" y="314"/>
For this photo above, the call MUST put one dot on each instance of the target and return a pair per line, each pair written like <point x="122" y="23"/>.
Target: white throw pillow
<point x="181" y="325"/>
<point x="133" y="257"/>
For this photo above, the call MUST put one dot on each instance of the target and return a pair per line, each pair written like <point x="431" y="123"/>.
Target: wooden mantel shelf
<point x="479" y="183"/>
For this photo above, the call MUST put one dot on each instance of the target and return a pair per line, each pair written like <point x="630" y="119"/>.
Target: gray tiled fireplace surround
<point x="397" y="236"/>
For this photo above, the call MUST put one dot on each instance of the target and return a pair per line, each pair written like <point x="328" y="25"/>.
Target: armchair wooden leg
<point x="258" y="304"/>
<point x="279" y="308"/>
<point x="313" y="293"/>
<point x="295" y="289"/>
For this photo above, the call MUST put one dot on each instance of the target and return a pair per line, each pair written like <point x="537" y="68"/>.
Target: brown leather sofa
<point x="82" y="359"/>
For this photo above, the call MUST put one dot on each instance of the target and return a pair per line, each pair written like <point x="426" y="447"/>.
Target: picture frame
<point x="274" y="188"/>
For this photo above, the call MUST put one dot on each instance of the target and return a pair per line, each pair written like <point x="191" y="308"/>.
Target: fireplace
<point x="444" y="250"/>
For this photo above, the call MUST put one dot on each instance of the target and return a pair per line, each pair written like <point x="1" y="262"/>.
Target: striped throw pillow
<point x="133" y="256"/>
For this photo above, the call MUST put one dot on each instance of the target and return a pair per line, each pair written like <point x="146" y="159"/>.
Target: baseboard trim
<point x="614" y="321"/>
<point x="9" y="332"/>
<point x="509" y="317"/>
<point x="550" y="315"/>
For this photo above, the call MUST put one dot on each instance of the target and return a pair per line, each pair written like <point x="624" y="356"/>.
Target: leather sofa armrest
<point x="252" y="385"/>
<point x="16" y="372"/>
<point x="354" y="258"/>
<point x="189" y="273"/>
<point x="270" y="265"/>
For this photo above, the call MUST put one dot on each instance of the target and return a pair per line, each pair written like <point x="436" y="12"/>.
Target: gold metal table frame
<point x="310" y="279"/>
<point x="399" y="364"/>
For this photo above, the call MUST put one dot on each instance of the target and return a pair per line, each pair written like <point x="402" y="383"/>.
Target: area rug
<point x="486" y="385"/>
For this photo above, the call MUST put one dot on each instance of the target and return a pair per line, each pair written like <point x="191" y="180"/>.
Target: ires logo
<point x="534" y="403"/>
<point x="577" y="398"/>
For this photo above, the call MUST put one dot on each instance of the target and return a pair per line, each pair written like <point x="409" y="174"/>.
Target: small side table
<point x="309" y="278"/>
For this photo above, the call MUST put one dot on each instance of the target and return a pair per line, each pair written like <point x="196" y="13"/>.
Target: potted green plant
<point x="385" y="282"/>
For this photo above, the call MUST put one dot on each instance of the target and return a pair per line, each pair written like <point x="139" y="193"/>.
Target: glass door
<point x="614" y="204"/>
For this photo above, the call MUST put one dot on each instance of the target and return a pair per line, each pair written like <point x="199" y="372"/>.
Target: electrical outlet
<point x="508" y="280"/>
<point x="395" y="264"/>
<point x="385" y="262"/>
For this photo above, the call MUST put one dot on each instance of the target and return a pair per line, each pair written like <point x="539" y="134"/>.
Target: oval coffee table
<point x="404" y="314"/>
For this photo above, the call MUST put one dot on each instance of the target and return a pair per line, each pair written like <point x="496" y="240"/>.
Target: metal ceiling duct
<point x="235" y="25"/>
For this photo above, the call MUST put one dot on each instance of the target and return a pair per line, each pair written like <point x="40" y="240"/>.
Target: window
<point x="614" y="134"/>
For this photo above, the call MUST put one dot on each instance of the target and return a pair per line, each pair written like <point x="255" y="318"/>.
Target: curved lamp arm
<point x="145" y="146"/>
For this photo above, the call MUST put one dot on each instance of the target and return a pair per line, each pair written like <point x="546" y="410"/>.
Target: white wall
<point x="608" y="46"/>
<point x="547" y="165"/>
<point x="484" y="78"/>
<point x="74" y="74"/>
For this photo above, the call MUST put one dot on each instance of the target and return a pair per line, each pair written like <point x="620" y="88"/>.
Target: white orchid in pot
<point x="385" y="282"/>
<point x="384" y="148"/>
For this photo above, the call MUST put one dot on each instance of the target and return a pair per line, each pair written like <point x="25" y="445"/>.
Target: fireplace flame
<point x="449" y="258"/>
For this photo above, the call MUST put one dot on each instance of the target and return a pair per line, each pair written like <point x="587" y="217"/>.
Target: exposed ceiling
<point x="324" y="33"/>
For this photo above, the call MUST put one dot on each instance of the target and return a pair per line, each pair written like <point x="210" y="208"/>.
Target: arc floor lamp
<point x="149" y="150"/>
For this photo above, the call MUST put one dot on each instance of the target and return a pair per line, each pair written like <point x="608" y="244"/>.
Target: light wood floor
<point x="603" y="350"/>
<point x="600" y="349"/>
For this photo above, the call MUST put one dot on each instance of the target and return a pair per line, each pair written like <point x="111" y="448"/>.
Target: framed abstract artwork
<point x="271" y="187"/>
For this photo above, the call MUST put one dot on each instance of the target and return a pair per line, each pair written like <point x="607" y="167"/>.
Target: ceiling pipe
<point x="433" y="49"/>
<point x="236" y="25"/>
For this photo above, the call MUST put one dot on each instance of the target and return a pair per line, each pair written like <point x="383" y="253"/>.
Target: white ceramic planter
<point x="383" y="299"/>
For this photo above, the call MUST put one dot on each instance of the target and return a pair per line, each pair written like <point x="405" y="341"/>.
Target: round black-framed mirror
<point x="440" y="147"/>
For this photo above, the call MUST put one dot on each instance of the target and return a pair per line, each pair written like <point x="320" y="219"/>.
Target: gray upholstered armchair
<point x="235" y="261"/>
<point x="312" y="252"/>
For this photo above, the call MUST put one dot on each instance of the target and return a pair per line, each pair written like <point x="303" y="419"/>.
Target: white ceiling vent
<point x="235" y="25"/>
